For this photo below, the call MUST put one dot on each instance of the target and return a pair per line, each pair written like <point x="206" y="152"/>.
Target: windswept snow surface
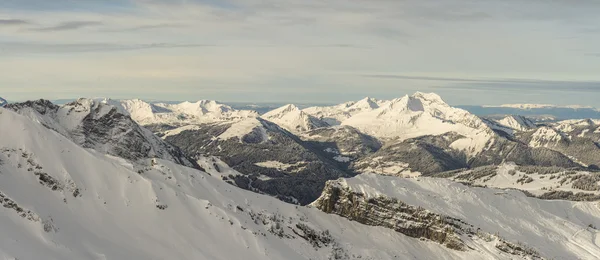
<point x="556" y="229"/>
<point x="88" y="205"/>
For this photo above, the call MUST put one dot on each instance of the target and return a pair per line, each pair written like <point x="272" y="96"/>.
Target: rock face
<point x="101" y="127"/>
<point x="390" y="213"/>
<point x="410" y="220"/>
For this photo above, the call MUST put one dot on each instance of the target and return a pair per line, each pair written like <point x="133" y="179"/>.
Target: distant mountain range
<point x="536" y="112"/>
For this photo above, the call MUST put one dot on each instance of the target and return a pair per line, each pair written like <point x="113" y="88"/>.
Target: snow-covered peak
<point x="282" y="111"/>
<point x="335" y="115"/>
<point x="366" y="103"/>
<point x="423" y="114"/>
<point x="293" y="119"/>
<point x="202" y="111"/>
<point x="518" y="123"/>
<point x="404" y="104"/>
<point x="201" y="107"/>
<point x="429" y="97"/>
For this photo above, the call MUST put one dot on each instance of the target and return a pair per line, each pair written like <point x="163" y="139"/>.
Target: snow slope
<point x="293" y="119"/>
<point x="65" y="202"/>
<point x="518" y="123"/>
<point x="556" y="229"/>
<point x="536" y="180"/>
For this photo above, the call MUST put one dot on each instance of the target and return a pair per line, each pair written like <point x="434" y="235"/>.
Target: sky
<point x="319" y="51"/>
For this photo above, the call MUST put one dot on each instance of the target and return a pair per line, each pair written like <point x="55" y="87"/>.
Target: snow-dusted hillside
<point x="293" y="119"/>
<point x="62" y="201"/>
<point x="543" y="182"/>
<point x="579" y="139"/>
<point x="270" y="159"/>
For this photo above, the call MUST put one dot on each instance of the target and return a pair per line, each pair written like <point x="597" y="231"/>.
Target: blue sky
<point x="469" y="52"/>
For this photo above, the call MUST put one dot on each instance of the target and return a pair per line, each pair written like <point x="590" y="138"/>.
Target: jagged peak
<point x="432" y="97"/>
<point x="201" y="102"/>
<point x="42" y="106"/>
<point x="405" y="103"/>
<point x="279" y="112"/>
<point x="201" y="107"/>
<point x="366" y="102"/>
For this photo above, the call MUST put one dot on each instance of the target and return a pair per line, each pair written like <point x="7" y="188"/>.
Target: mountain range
<point x="131" y="179"/>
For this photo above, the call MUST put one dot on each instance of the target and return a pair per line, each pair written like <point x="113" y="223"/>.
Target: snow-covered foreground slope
<point x="556" y="229"/>
<point x="65" y="202"/>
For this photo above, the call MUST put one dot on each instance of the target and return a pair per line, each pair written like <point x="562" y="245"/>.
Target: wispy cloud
<point x="10" y="22"/>
<point x="150" y="27"/>
<point x="67" y="26"/>
<point x="500" y="83"/>
<point x="462" y="46"/>
<point x="57" y="48"/>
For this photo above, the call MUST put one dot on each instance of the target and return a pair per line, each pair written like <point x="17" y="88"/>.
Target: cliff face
<point x="412" y="221"/>
<point x="390" y="213"/>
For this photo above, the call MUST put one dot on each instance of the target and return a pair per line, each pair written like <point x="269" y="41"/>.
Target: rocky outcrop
<point x="390" y="213"/>
<point x="413" y="221"/>
<point x="101" y="127"/>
